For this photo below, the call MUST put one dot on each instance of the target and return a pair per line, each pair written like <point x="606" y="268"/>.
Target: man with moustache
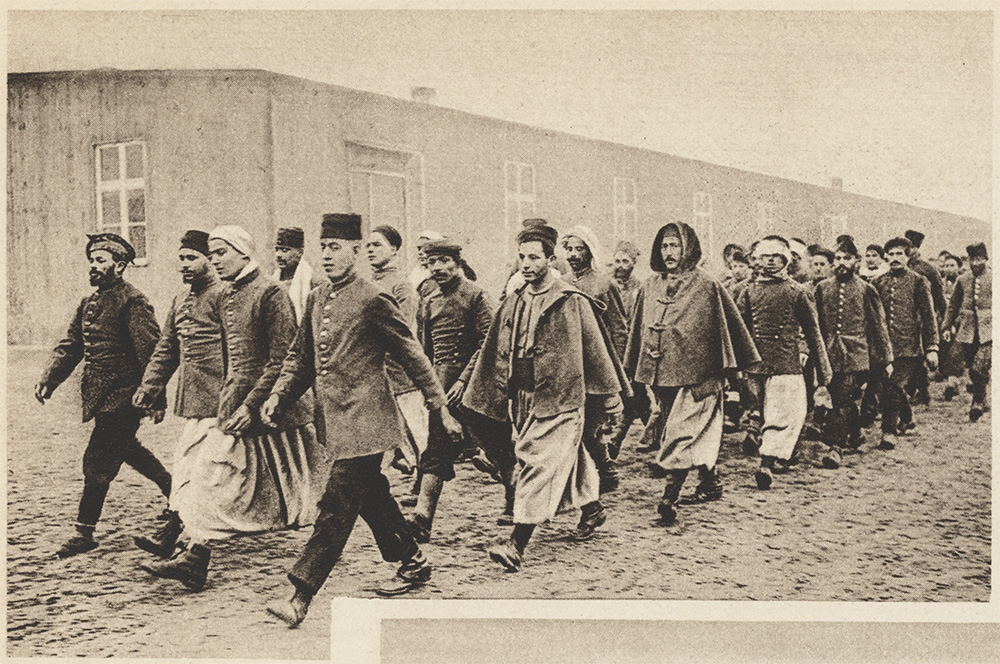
<point x="294" y="273"/>
<point x="113" y="332"/>
<point x="626" y="254"/>
<point x="909" y="311"/>
<point x="451" y="324"/>
<point x="545" y="362"/>
<point x="857" y="344"/>
<point x="970" y="311"/>
<point x="349" y="329"/>
<point x="249" y="478"/>
<point x="686" y="336"/>
<point x="190" y="346"/>
<point x="919" y="382"/>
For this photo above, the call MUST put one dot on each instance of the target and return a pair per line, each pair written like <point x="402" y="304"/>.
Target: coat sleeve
<point x="879" y="345"/>
<point x="166" y="356"/>
<point x="281" y="328"/>
<point x="298" y="369"/>
<point x="634" y="344"/>
<point x="937" y="291"/>
<point x="67" y="353"/>
<point x="482" y="313"/>
<point x="615" y="319"/>
<point x="408" y="300"/>
<point x="805" y="312"/>
<point x="144" y="332"/>
<point x="393" y="334"/>
<point x="928" y="322"/>
<point x="820" y="316"/>
<point x="954" y="306"/>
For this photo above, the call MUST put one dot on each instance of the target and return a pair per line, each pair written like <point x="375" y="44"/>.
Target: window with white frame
<point x="519" y="195"/>
<point x="121" y="193"/>
<point x="625" y="208"/>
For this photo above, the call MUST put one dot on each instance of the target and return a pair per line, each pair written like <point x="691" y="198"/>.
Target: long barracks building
<point x="150" y="154"/>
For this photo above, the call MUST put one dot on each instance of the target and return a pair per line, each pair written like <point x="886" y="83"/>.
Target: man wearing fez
<point x="191" y="346"/>
<point x="113" y="331"/>
<point x="583" y="253"/>
<point x="686" y="336"/>
<point x="559" y="267"/>
<point x="452" y="323"/>
<point x="857" y="343"/>
<point x="919" y="383"/>
<point x="249" y="478"/>
<point x="778" y="311"/>
<point x="548" y="367"/>
<point x="970" y="312"/>
<point x="294" y="273"/>
<point x="349" y="328"/>
<point x="913" y="331"/>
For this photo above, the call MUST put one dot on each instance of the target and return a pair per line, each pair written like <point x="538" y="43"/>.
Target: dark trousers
<point x="112" y="443"/>
<point x="895" y="405"/>
<point x="843" y="427"/>
<point x="978" y="358"/>
<point x="871" y="402"/>
<point x="443" y="450"/>
<point x="356" y="488"/>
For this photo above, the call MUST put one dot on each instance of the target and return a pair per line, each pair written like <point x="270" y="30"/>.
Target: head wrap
<point x="236" y="237"/>
<point x="443" y="247"/>
<point x="195" y="241"/>
<point x="690" y="247"/>
<point x="114" y="244"/>
<point x="916" y="238"/>
<point x="629" y="249"/>
<point x="292" y="237"/>
<point x="589" y="239"/>
<point x="775" y="244"/>
<point x="977" y="250"/>
<point x="877" y="248"/>
<point x="539" y="233"/>
<point x="391" y="235"/>
<point x="426" y="236"/>
<point x="898" y="242"/>
<point x="797" y="246"/>
<point x="338" y="226"/>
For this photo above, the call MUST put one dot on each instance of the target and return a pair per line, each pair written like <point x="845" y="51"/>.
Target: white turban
<point x="768" y="246"/>
<point x="236" y="237"/>
<point x="589" y="239"/>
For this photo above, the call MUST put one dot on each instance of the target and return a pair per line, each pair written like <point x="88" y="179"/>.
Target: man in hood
<point x="686" y="336"/>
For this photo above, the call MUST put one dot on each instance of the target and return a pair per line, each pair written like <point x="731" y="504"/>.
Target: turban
<point x="236" y="237"/>
<point x="293" y="238"/>
<point x="798" y="247"/>
<point x="443" y="247"/>
<point x="339" y="226"/>
<point x="390" y="234"/>
<point x="916" y="238"/>
<point x="589" y="239"/>
<point x="775" y="244"/>
<point x="195" y="241"/>
<point x="977" y="250"/>
<point x="114" y="244"/>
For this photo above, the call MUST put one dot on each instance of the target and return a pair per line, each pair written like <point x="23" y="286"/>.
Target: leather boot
<point x="667" y="509"/>
<point x="592" y="517"/>
<point x="291" y="611"/>
<point x="164" y="540"/>
<point x="190" y="567"/>
<point x="82" y="542"/>
<point x="413" y="572"/>
<point x="764" y="476"/>
<point x="709" y="487"/>
<point x="422" y="519"/>
<point x="507" y="555"/>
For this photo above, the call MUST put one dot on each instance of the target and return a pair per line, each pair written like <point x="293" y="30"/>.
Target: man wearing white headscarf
<point x="249" y="478"/>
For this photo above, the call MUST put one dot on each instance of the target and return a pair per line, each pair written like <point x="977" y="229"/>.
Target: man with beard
<point x="582" y="253"/>
<point x="452" y="324"/>
<point x="191" y="346"/>
<point x="857" y="344"/>
<point x="249" y="478"/>
<point x="777" y="311"/>
<point x="114" y="332"/>
<point x="952" y="366"/>
<point x="294" y="274"/>
<point x="919" y="383"/>
<point x="546" y="365"/>
<point x="349" y="329"/>
<point x="913" y="332"/>
<point x="970" y="310"/>
<point x="686" y="336"/>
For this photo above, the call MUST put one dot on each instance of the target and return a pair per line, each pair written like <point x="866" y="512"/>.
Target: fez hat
<point x="390" y="234"/>
<point x="195" y="241"/>
<point x="444" y="247"/>
<point x="292" y="237"/>
<point x="916" y="238"/>
<point x="538" y="231"/>
<point x="338" y="226"/>
<point x="846" y="245"/>
<point x="898" y="242"/>
<point x="112" y="243"/>
<point x="977" y="250"/>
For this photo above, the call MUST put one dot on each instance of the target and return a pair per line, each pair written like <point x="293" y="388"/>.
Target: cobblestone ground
<point x="908" y="525"/>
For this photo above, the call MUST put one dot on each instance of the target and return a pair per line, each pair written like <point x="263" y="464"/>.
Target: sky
<point x="897" y="104"/>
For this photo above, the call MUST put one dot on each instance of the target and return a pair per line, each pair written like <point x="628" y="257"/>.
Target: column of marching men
<point x="298" y="390"/>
